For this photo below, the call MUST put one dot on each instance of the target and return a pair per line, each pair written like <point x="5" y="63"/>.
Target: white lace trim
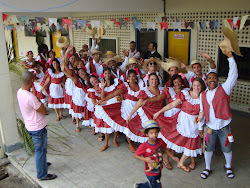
<point x="189" y="98"/>
<point x="172" y="93"/>
<point x="131" y="92"/>
<point x="89" y="122"/>
<point x="180" y="149"/>
<point x="94" y="91"/>
<point x="60" y="75"/>
<point x="56" y="106"/>
<point x="149" y="94"/>
<point x="28" y="62"/>
<point x="76" y="115"/>
<point x="112" y="87"/>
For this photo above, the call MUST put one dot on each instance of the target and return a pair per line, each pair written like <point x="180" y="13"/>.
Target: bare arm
<point x="46" y="83"/>
<point x="68" y="75"/>
<point x="144" y="159"/>
<point x="153" y="99"/>
<point x="42" y="110"/>
<point x="66" y="61"/>
<point x="136" y="107"/>
<point x="110" y="96"/>
<point x="168" y="107"/>
<point x="206" y="56"/>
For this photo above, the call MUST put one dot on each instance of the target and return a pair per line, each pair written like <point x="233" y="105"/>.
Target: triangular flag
<point x="216" y="25"/>
<point x="226" y="24"/>
<point x="137" y="25"/>
<point x="243" y="20"/>
<point x="164" y="25"/>
<point x="5" y="16"/>
<point x="123" y="23"/>
<point x="177" y="25"/>
<point x="95" y="23"/>
<point x="126" y="19"/>
<point x="52" y="21"/>
<point x="108" y="23"/>
<point x="151" y="25"/>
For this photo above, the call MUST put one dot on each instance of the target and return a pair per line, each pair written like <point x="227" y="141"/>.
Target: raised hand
<point x="228" y="54"/>
<point x="99" y="40"/>
<point x="125" y="52"/>
<point x="205" y="55"/>
<point x="103" y="83"/>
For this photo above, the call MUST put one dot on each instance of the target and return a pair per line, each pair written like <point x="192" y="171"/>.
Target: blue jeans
<point x="39" y="139"/>
<point x="153" y="182"/>
<point x="222" y="135"/>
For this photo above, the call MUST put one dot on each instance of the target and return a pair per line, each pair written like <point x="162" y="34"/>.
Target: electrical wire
<point x="54" y="7"/>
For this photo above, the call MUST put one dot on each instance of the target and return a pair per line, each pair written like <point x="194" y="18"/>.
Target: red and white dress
<point x="28" y="63"/>
<point x="42" y="59"/>
<point x="56" y="90"/>
<point x="89" y="107"/>
<point x="115" y="115"/>
<point x="69" y="88"/>
<point x="36" y="88"/>
<point x="145" y="113"/>
<point x="180" y="132"/>
<point x="78" y="100"/>
<point x="100" y="125"/>
<point x="170" y="94"/>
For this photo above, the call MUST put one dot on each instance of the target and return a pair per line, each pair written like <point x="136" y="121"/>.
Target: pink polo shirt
<point x="28" y="104"/>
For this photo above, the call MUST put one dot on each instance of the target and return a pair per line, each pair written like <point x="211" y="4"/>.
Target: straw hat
<point x="170" y="63"/>
<point x="230" y="42"/>
<point x="101" y="31"/>
<point x="132" y="60"/>
<point x="149" y="125"/>
<point x="202" y="63"/>
<point x="62" y="41"/>
<point x="95" y="51"/>
<point x="91" y="31"/>
<point x="107" y="60"/>
<point x="110" y="53"/>
<point x="158" y="63"/>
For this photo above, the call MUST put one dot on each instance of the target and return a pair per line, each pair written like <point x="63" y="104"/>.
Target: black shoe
<point x="48" y="163"/>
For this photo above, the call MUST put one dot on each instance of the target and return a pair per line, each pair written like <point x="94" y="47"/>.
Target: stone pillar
<point x="8" y="124"/>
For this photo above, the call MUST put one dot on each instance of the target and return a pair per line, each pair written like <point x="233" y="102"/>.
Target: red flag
<point x="164" y="25"/>
<point x="126" y="19"/>
<point x="67" y="21"/>
<point x="5" y="16"/>
<point x="230" y="22"/>
<point x="117" y="24"/>
<point x="114" y="20"/>
<point x="238" y="24"/>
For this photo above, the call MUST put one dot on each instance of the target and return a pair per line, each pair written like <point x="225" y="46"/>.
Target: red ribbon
<point x="94" y="74"/>
<point x="102" y="76"/>
<point x="137" y="71"/>
<point x="84" y="68"/>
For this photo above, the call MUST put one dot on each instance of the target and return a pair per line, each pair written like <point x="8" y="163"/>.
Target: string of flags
<point x="11" y="22"/>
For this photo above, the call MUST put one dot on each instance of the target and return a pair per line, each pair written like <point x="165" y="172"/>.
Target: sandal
<point x="229" y="172"/>
<point x="103" y="148"/>
<point x="167" y="165"/>
<point x="74" y="121"/>
<point x="205" y="173"/>
<point x="116" y="144"/>
<point x="101" y="138"/>
<point x="63" y="117"/>
<point x="192" y="165"/>
<point x="131" y="148"/>
<point x="78" y="129"/>
<point x="184" y="168"/>
<point x="49" y="177"/>
<point x="93" y="132"/>
<point x="58" y="119"/>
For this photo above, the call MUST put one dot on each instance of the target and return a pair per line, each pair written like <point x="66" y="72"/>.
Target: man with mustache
<point x="215" y="105"/>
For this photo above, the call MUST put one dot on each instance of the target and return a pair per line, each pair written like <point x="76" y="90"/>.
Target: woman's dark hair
<point x="52" y="68"/>
<point x="151" y="74"/>
<point x="89" y="84"/>
<point x="203" y="85"/>
<point x="111" y="78"/>
<point x="35" y="64"/>
<point x="83" y="82"/>
<point x="52" y="51"/>
<point x="174" y="77"/>
<point x="131" y="71"/>
<point x="41" y="47"/>
<point x="28" y="53"/>
<point x="146" y="131"/>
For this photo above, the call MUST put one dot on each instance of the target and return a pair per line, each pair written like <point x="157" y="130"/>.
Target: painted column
<point x="8" y="124"/>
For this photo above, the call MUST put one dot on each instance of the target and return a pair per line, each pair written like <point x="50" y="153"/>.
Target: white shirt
<point x="190" y="74"/>
<point x="135" y="54"/>
<point x="122" y="66"/>
<point x="215" y="123"/>
<point x="153" y="52"/>
<point x="98" y="67"/>
<point x="94" y="45"/>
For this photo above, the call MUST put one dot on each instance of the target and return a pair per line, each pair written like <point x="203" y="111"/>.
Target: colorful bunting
<point x="134" y="19"/>
<point x="5" y="16"/>
<point x="81" y="23"/>
<point x="177" y="25"/>
<point x="52" y="21"/>
<point x="226" y="24"/>
<point x="126" y="19"/>
<point x="151" y="25"/>
<point x="108" y="24"/>
<point x="164" y="25"/>
<point x="203" y="26"/>
<point x="189" y="24"/>
<point x="123" y="23"/>
<point x="40" y="20"/>
<point x="137" y="25"/>
<point x="216" y="25"/>
<point x="95" y="23"/>
<point x="243" y="20"/>
<point x="25" y="19"/>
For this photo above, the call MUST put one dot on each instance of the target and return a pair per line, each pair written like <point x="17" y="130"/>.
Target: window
<point x="143" y="38"/>
<point x="243" y="63"/>
<point x="107" y="44"/>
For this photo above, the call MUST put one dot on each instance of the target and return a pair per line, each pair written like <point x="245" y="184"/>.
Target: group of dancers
<point x="112" y="95"/>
